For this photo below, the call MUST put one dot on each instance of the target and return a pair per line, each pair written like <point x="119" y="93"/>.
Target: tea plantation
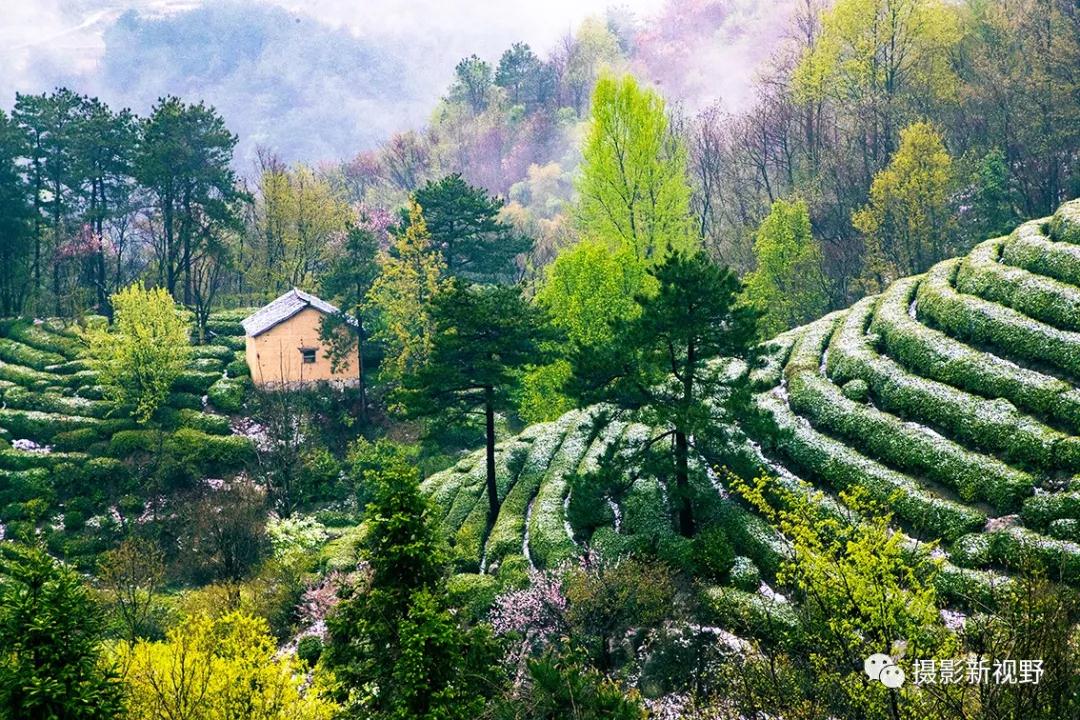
<point x="70" y="460"/>
<point x="950" y="398"/>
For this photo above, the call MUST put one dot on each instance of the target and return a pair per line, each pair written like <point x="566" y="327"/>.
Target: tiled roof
<point x="284" y="308"/>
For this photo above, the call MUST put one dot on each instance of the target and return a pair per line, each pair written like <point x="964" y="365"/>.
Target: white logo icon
<point x="881" y="667"/>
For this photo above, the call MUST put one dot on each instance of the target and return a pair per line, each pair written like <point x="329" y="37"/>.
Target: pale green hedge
<point x="844" y="468"/>
<point x="1036" y="296"/>
<point x="20" y="398"/>
<point x="215" y="352"/>
<point x="508" y="533"/>
<point x="770" y="360"/>
<point x="548" y="542"/>
<point x="1042" y="509"/>
<point x="15" y="352"/>
<point x="468" y="541"/>
<point x="977" y="320"/>
<point x="933" y="354"/>
<point x="24" y="376"/>
<point x="41" y="427"/>
<point x="208" y="423"/>
<point x="808" y="349"/>
<point x="1065" y="225"/>
<point x="227" y="394"/>
<point x="1030" y="249"/>
<point x="990" y="425"/>
<point x="194" y="381"/>
<point x="44" y="340"/>
<point x="908" y="447"/>
<point x="750" y="614"/>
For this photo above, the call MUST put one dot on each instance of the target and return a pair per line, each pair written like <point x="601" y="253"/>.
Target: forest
<point x="659" y="410"/>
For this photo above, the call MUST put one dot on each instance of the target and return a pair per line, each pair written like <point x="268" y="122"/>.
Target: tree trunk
<point x="492" y="489"/>
<point x="682" y="482"/>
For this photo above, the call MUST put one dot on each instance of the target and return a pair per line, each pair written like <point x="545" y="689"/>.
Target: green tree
<point x="51" y="664"/>
<point x="880" y="63"/>
<point x="788" y="287"/>
<point x="347" y="282"/>
<point x="184" y="160"/>
<point x="483" y="336"/>
<point x="661" y="364"/>
<point x="863" y="590"/>
<point x="144" y="352"/>
<point x="465" y="227"/>
<point x="526" y="79"/>
<point x="17" y="248"/>
<point x="472" y="83"/>
<point x="586" y="290"/>
<point x="633" y="185"/>
<point x="907" y="224"/>
<point x="411" y="274"/>
<point x="395" y="649"/>
<point x="562" y="687"/>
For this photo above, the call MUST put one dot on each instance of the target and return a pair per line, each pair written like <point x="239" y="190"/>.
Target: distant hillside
<point x="951" y="398"/>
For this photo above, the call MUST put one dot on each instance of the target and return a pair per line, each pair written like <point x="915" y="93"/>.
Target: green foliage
<point x="51" y="664"/>
<point x="410" y="277"/>
<point x="395" y="649"/>
<point x="216" y="668"/>
<point x="907" y="223"/>
<point x="465" y="227"/>
<point x="140" y="359"/>
<point x="788" y="286"/>
<point x="564" y="688"/>
<point x="227" y="394"/>
<point x="633" y="191"/>
<point x="309" y="649"/>
<point x="714" y="555"/>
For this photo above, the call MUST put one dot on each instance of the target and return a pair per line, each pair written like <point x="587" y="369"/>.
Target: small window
<point x="309" y="355"/>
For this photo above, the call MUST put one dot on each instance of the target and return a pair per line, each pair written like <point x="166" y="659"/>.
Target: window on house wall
<point x="308" y="354"/>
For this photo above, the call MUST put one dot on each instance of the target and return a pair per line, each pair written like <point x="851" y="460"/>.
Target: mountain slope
<point x="951" y="397"/>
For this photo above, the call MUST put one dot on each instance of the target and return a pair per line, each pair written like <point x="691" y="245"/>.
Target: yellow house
<point x="283" y="343"/>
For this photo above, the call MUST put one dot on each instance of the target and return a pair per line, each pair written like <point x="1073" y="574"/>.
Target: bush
<point x="770" y="360"/>
<point x="750" y="614"/>
<point x="227" y="394"/>
<point x="209" y="453"/>
<point x="508" y="533"/>
<point x="19" y="354"/>
<point x="182" y="400"/>
<point x="225" y="327"/>
<point x="1065" y="225"/>
<point x="992" y="425"/>
<point x="744" y="574"/>
<point x="910" y="448"/>
<point x="77" y="440"/>
<point x="204" y="422"/>
<point x="1029" y="249"/>
<point x="238" y="368"/>
<point x="856" y="390"/>
<point x="935" y="355"/>
<point x="472" y="594"/>
<point x="39" y="426"/>
<point x="844" y="468"/>
<point x="309" y="649"/>
<point x="713" y="553"/>
<point x="1040" y="510"/>
<point x="980" y="321"/>
<point x="548" y="540"/>
<point x="194" y="381"/>
<point x="1037" y="296"/>
<point x="74" y="521"/>
<point x="215" y="352"/>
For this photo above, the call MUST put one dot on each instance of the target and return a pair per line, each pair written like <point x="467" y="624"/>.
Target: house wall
<point x="274" y="356"/>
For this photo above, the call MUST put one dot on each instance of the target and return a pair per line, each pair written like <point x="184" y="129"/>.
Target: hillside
<point x="950" y="398"/>
<point x="67" y="458"/>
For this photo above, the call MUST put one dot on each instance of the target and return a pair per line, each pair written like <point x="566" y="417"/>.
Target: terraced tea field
<point x="66" y="456"/>
<point x="951" y="398"/>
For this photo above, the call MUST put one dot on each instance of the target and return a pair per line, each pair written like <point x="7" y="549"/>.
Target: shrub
<point x="908" y="447"/>
<point x="1040" y="510"/>
<point x="1065" y="225"/>
<point x="214" y="352"/>
<point x="1036" y="296"/>
<point x="844" y="468"/>
<point x="751" y="614"/>
<point x="935" y="355"/>
<point x="309" y="649"/>
<point x="472" y="594"/>
<point x="1029" y="249"/>
<point x="549" y="543"/>
<point x="992" y="425"/>
<point x="856" y="390"/>
<point x="238" y="368"/>
<point x="227" y="394"/>
<point x="744" y="574"/>
<point x="204" y="422"/>
<point x="77" y="440"/>
<point x="508" y="533"/>
<point x="976" y="320"/>
<point x="18" y="354"/>
<point x="713" y="553"/>
<point x="39" y="426"/>
<point x="209" y="453"/>
<point x="770" y="360"/>
<point x="181" y="400"/>
<point x="195" y="381"/>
